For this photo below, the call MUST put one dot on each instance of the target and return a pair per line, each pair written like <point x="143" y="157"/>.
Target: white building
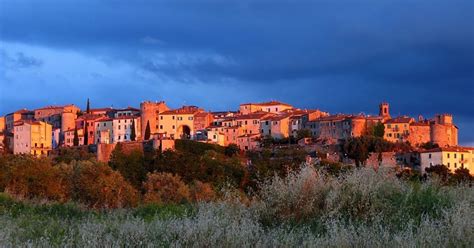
<point x="122" y="128"/>
<point x="451" y="157"/>
<point x="32" y="137"/>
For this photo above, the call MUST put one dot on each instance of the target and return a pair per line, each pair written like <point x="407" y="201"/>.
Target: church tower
<point x="384" y="110"/>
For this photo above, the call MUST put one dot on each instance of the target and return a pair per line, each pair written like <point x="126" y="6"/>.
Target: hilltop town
<point x="42" y="131"/>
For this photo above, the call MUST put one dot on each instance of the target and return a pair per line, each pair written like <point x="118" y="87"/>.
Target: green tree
<point x="75" y="140"/>
<point x="356" y="149"/>
<point x="86" y="134"/>
<point x="462" y="175"/>
<point x="379" y="130"/>
<point x="131" y="165"/>
<point x="133" y="135"/>
<point x="147" y="131"/>
<point x="440" y="170"/>
<point x="303" y="133"/>
<point x="231" y="150"/>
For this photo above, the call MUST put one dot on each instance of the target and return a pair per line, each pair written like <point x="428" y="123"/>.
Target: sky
<point x="342" y="56"/>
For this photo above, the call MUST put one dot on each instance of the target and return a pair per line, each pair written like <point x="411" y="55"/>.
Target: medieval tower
<point x="384" y="111"/>
<point x="150" y="113"/>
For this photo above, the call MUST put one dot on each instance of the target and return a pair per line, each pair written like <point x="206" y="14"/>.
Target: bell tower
<point x="384" y="110"/>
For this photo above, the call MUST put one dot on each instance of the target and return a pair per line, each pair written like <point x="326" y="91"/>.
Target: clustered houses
<point x="39" y="131"/>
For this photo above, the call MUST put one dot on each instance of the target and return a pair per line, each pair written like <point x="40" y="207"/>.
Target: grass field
<point x="307" y="209"/>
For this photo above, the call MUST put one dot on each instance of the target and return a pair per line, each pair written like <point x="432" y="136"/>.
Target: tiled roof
<point x="128" y="109"/>
<point x="55" y="107"/>
<point x="201" y="114"/>
<point x="185" y="110"/>
<point x="270" y="103"/>
<point x="449" y="149"/>
<point x="251" y="116"/>
<point x="31" y="122"/>
<point x="402" y="119"/>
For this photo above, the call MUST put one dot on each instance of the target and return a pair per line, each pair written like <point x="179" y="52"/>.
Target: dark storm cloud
<point x="18" y="60"/>
<point x="344" y="56"/>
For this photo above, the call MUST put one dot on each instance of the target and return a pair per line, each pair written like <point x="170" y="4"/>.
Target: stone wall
<point x="105" y="150"/>
<point x="389" y="159"/>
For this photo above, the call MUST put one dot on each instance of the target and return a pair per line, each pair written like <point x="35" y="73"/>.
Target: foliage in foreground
<point x="362" y="208"/>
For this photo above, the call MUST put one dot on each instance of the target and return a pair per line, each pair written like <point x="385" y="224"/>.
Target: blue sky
<point x="340" y="56"/>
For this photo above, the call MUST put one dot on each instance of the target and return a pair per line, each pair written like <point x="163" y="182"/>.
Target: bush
<point x="165" y="188"/>
<point x="98" y="186"/>
<point x="200" y="191"/>
<point x="33" y="178"/>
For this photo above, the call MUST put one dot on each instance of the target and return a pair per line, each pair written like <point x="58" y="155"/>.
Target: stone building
<point x="202" y="120"/>
<point x="451" y="157"/>
<point x="32" y="137"/>
<point x="335" y="128"/>
<point x="270" y="107"/>
<point x="149" y="114"/>
<point x="178" y="123"/>
<point x="62" y="117"/>
<point x="19" y="115"/>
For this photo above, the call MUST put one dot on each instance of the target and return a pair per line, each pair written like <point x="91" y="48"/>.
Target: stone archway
<point x="184" y="132"/>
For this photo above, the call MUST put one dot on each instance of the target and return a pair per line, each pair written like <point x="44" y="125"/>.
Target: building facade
<point x="32" y="137"/>
<point x="451" y="157"/>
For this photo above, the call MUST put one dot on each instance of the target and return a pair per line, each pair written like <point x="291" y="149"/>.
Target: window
<point x="119" y="137"/>
<point x="448" y="155"/>
<point x="429" y="155"/>
<point x="462" y="156"/>
<point x="119" y="127"/>
<point x="161" y="117"/>
<point x="449" y="164"/>
<point x="104" y="124"/>
<point x="455" y="155"/>
<point x="161" y="126"/>
<point x="173" y="126"/>
<point x="455" y="165"/>
<point x="172" y="117"/>
<point x="190" y="118"/>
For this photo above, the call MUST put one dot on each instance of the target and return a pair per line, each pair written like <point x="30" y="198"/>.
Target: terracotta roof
<point x="276" y="117"/>
<point x="402" y="119"/>
<point x="338" y="117"/>
<point x="22" y="111"/>
<point x="270" y="103"/>
<point x="127" y="109"/>
<point x="202" y="114"/>
<point x="449" y="149"/>
<point x="255" y="115"/>
<point x="125" y="117"/>
<point x="90" y="117"/>
<point x="55" y="107"/>
<point x="420" y="124"/>
<point x="101" y="109"/>
<point x="31" y="122"/>
<point x="185" y="110"/>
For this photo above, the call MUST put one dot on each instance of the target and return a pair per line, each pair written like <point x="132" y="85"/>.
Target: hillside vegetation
<point x="306" y="208"/>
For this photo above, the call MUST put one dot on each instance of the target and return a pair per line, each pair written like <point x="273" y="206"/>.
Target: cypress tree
<point x="147" y="131"/>
<point x="75" y="141"/>
<point x="88" y="108"/>
<point x="86" y="134"/>
<point x="133" y="135"/>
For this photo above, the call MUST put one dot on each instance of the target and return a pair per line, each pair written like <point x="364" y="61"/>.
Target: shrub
<point x="164" y="188"/>
<point x="200" y="191"/>
<point x="33" y="178"/>
<point x="98" y="186"/>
